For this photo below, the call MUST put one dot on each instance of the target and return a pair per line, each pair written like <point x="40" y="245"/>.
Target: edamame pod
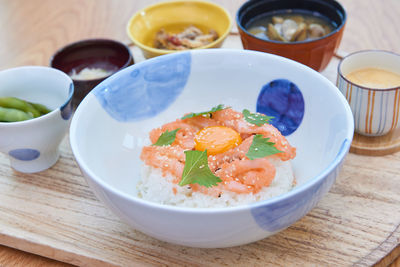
<point x="13" y="115"/>
<point x="41" y="108"/>
<point x="15" y="103"/>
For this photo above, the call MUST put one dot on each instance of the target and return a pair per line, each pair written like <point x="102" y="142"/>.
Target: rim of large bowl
<point x="168" y="51"/>
<point x="335" y="31"/>
<point x="312" y="181"/>
<point x="71" y="93"/>
<point x="339" y="70"/>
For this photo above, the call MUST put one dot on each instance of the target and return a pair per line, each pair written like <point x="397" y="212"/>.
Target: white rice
<point x="156" y="188"/>
<point x="90" y="74"/>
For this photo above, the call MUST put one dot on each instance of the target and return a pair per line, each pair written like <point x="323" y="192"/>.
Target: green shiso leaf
<point x="166" y="138"/>
<point x="204" y="113"/>
<point x="196" y="170"/>
<point x="260" y="148"/>
<point x="256" y="118"/>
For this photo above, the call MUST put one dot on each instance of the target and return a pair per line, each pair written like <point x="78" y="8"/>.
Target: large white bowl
<point x="112" y="123"/>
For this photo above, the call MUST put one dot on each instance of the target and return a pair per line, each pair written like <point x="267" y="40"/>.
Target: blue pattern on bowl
<point x="283" y="100"/>
<point x="282" y="213"/>
<point x="66" y="109"/>
<point x="147" y="90"/>
<point x="25" y="154"/>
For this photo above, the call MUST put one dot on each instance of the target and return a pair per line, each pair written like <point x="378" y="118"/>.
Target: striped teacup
<point x="376" y="111"/>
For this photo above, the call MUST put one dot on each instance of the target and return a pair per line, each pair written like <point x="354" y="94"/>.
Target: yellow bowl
<point x="174" y="16"/>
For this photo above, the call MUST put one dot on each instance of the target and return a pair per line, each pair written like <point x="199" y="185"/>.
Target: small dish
<point x="144" y="24"/>
<point x="314" y="53"/>
<point x="374" y="100"/>
<point x="104" y="54"/>
<point x="375" y="110"/>
<point x="33" y="145"/>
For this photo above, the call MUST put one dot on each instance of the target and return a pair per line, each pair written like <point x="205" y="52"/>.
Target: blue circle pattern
<point x="282" y="214"/>
<point x="282" y="100"/>
<point x="154" y="87"/>
<point x="25" y="154"/>
<point x="66" y="109"/>
<point x="279" y="215"/>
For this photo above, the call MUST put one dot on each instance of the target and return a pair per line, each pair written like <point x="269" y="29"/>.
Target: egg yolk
<point x="216" y="139"/>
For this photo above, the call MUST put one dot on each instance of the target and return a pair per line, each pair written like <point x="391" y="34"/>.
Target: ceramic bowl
<point x="112" y="124"/>
<point x="375" y="110"/>
<point x="315" y="53"/>
<point x="144" y="24"/>
<point x="32" y="145"/>
<point x="106" y="54"/>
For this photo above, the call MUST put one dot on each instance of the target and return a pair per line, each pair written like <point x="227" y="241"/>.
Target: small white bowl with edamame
<point x="31" y="139"/>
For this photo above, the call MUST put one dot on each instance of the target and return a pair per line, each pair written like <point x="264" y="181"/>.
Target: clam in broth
<point x="290" y="26"/>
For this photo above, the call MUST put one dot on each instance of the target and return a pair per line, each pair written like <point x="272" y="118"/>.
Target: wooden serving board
<point x="55" y="214"/>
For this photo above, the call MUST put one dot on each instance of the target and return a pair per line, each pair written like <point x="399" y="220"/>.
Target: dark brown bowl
<point x="107" y="54"/>
<point x="315" y="53"/>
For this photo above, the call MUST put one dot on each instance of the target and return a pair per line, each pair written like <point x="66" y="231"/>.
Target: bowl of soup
<point x="307" y="31"/>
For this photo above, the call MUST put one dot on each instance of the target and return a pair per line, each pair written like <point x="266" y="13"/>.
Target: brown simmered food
<point x="191" y="37"/>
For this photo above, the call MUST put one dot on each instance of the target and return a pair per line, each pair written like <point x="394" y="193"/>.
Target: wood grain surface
<point x="376" y="145"/>
<point x="54" y="214"/>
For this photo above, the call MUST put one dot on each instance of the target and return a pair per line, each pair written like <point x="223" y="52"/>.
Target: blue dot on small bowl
<point x="283" y="100"/>
<point x="25" y="154"/>
<point x="66" y="109"/>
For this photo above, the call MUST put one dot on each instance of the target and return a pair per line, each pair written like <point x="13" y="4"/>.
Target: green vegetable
<point x="204" y="113"/>
<point x="260" y="148"/>
<point x="27" y="110"/>
<point x="41" y="108"/>
<point x="13" y="115"/>
<point x="196" y="170"/>
<point x="256" y="118"/>
<point x="16" y="103"/>
<point x="166" y="138"/>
